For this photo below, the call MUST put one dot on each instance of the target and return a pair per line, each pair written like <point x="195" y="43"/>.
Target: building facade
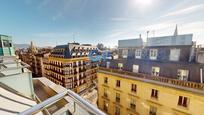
<point x="23" y="95"/>
<point x="6" y="46"/>
<point x="34" y="57"/>
<point x="69" y="66"/>
<point x="175" y="57"/>
<point x="128" y="93"/>
<point x="200" y="54"/>
<point x="38" y="66"/>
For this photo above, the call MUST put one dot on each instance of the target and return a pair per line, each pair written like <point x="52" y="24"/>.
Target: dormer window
<point x="138" y="53"/>
<point x="153" y="54"/>
<point x="183" y="74"/>
<point x="124" y="53"/>
<point x="174" y="54"/>
<point x="155" y="71"/>
<point x="120" y="65"/>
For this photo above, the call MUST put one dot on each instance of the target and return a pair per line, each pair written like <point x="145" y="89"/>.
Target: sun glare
<point x="143" y="2"/>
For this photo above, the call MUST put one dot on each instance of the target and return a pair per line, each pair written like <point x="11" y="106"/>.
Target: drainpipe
<point x="201" y="75"/>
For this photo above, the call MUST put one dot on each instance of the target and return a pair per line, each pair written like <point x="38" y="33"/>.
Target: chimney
<point x="176" y="31"/>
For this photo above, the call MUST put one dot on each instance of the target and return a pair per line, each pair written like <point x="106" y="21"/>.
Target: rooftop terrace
<point x="19" y="96"/>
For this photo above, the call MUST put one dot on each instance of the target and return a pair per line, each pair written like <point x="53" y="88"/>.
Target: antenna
<point x="74" y="37"/>
<point x="176" y="31"/>
<point x="140" y="36"/>
<point x="147" y="34"/>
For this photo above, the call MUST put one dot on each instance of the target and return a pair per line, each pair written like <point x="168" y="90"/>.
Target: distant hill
<point x="21" y="46"/>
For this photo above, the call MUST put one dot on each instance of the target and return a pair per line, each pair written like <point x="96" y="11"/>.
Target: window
<point x="0" y="44"/>
<point x="107" y="64"/>
<point x="6" y="43"/>
<point x="105" y="93"/>
<point x="10" y="44"/>
<point x="117" y="110"/>
<point x="155" y="71"/>
<point x="132" y="104"/>
<point x="135" y="68"/>
<point x="154" y="93"/>
<point x="117" y="83"/>
<point x="138" y="53"/>
<point x="183" y="101"/>
<point x="153" y="54"/>
<point x="120" y="65"/>
<point x="117" y="97"/>
<point x="183" y="74"/>
<point x="105" y="106"/>
<point x="106" y="80"/>
<point x="153" y="110"/>
<point x="134" y="88"/>
<point x="174" y="54"/>
<point x="124" y="53"/>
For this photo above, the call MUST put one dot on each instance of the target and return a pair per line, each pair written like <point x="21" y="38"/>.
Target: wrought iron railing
<point x="176" y="82"/>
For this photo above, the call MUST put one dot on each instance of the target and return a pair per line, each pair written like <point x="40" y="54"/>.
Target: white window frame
<point x="120" y="65"/>
<point x="135" y="70"/>
<point x="153" y="54"/>
<point x="155" y="71"/>
<point x="183" y="74"/>
<point x="138" y="53"/>
<point x="174" y="54"/>
<point x="107" y="64"/>
<point x="124" y="53"/>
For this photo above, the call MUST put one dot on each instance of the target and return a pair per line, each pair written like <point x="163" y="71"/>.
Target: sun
<point x="143" y="2"/>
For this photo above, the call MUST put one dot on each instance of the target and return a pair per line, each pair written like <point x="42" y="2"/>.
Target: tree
<point x="100" y="46"/>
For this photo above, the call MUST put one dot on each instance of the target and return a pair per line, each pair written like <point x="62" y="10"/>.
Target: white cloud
<point x="194" y="27"/>
<point x="158" y="26"/>
<point x="187" y="10"/>
<point x="167" y="28"/>
<point x="115" y="34"/>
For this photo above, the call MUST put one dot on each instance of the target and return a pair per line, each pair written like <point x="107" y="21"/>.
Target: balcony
<point x="175" y="83"/>
<point x="105" y="95"/>
<point x="58" y="72"/>
<point x="132" y="106"/>
<point x="82" y="70"/>
<point x="117" y="99"/>
<point x="55" y="99"/>
<point x="56" y="65"/>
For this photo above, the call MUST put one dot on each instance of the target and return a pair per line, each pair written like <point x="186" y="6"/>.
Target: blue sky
<point x="51" y="22"/>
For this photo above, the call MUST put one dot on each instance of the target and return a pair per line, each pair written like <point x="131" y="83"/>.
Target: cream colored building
<point x="126" y="93"/>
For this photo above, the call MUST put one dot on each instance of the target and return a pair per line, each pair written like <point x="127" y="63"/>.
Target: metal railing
<point x="176" y="82"/>
<point x="79" y="100"/>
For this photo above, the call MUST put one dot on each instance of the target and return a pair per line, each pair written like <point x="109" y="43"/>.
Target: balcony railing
<point x="117" y="99"/>
<point x="90" y="109"/>
<point x="176" y="82"/>
<point x="132" y="106"/>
